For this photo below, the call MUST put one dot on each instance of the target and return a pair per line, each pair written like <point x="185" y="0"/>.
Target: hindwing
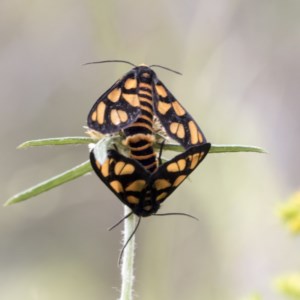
<point x="172" y="173"/>
<point x="139" y="189"/>
<point x="118" y="107"/>
<point x="124" y="176"/>
<point x="177" y="122"/>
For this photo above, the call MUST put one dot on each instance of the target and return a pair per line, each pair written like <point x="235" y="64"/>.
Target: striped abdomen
<point x="139" y="135"/>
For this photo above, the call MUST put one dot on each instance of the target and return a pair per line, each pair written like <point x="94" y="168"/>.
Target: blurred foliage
<point x="253" y="297"/>
<point x="289" y="285"/>
<point x="289" y="212"/>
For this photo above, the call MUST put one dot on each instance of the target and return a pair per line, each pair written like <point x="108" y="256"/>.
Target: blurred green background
<point x="240" y="61"/>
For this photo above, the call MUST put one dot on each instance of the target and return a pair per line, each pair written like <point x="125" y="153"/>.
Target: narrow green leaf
<point x="217" y="148"/>
<point x="168" y="146"/>
<point x="85" y="167"/>
<point x="235" y="148"/>
<point x="51" y="183"/>
<point x="75" y="140"/>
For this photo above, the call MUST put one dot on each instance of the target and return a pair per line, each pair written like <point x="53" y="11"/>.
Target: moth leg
<point x="160" y="152"/>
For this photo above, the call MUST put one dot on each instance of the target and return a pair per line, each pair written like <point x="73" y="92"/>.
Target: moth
<point x="140" y="189"/>
<point x="129" y="106"/>
<point x="131" y="102"/>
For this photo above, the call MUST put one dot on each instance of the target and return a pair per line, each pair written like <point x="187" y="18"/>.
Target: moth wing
<point x="118" y="107"/>
<point x="171" y="174"/>
<point x="177" y="122"/>
<point x="125" y="177"/>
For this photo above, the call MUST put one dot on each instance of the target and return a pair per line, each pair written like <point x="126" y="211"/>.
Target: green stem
<point x="57" y="141"/>
<point x="235" y="148"/>
<point x="216" y="148"/>
<point x="168" y="146"/>
<point x="51" y="183"/>
<point x="127" y="272"/>
<point x="86" y="167"/>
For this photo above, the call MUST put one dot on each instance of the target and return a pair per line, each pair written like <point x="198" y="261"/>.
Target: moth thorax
<point x="149" y="208"/>
<point x="146" y="75"/>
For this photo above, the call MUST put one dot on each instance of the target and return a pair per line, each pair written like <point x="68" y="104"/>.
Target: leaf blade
<point x="51" y="183"/>
<point x="58" y="141"/>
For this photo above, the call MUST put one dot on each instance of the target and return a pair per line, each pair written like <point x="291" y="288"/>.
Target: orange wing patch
<point x="161" y="91"/>
<point x="179" y="110"/>
<point x="179" y="180"/>
<point x="121" y="168"/>
<point x="132" y="99"/>
<point x="161" y="184"/>
<point x="196" y="136"/>
<point x="114" y="95"/>
<point x="163" y="107"/>
<point x="178" y="129"/>
<point x="130" y="83"/>
<point x="117" y="186"/>
<point x="118" y="116"/>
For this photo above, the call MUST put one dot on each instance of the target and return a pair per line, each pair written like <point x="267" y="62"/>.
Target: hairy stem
<point x="127" y="275"/>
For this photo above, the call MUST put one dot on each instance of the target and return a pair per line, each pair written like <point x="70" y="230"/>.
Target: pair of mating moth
<point x="131" y="106"/>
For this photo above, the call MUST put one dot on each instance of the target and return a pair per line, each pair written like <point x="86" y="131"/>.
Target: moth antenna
<point x="109" y="61"/>
<point x="125" y="245"/>
<point x="168" y="69"/>
<point x="177" y="214"/>
<point x="120" y="221"/>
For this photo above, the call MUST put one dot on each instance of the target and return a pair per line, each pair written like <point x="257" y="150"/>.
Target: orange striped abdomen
<point x="139" y="135"/>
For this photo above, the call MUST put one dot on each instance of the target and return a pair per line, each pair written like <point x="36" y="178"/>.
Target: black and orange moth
<point x="140" y="189"/>
<point x="129" y="106"/>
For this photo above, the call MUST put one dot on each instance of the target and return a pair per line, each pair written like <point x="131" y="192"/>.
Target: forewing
<point x="118" y="107"/>
<point x="171" y="174"/>
<point x="177" y="122"/>
<point x="125" y="177"/>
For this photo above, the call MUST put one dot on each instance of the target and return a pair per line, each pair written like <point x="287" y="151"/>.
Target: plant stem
<point x="74" y="140"/>
<point x="51" y="183"/>
<point x="86" y="167"/>
<point x="215" y="148"/>
<point x="127" y="276"/>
